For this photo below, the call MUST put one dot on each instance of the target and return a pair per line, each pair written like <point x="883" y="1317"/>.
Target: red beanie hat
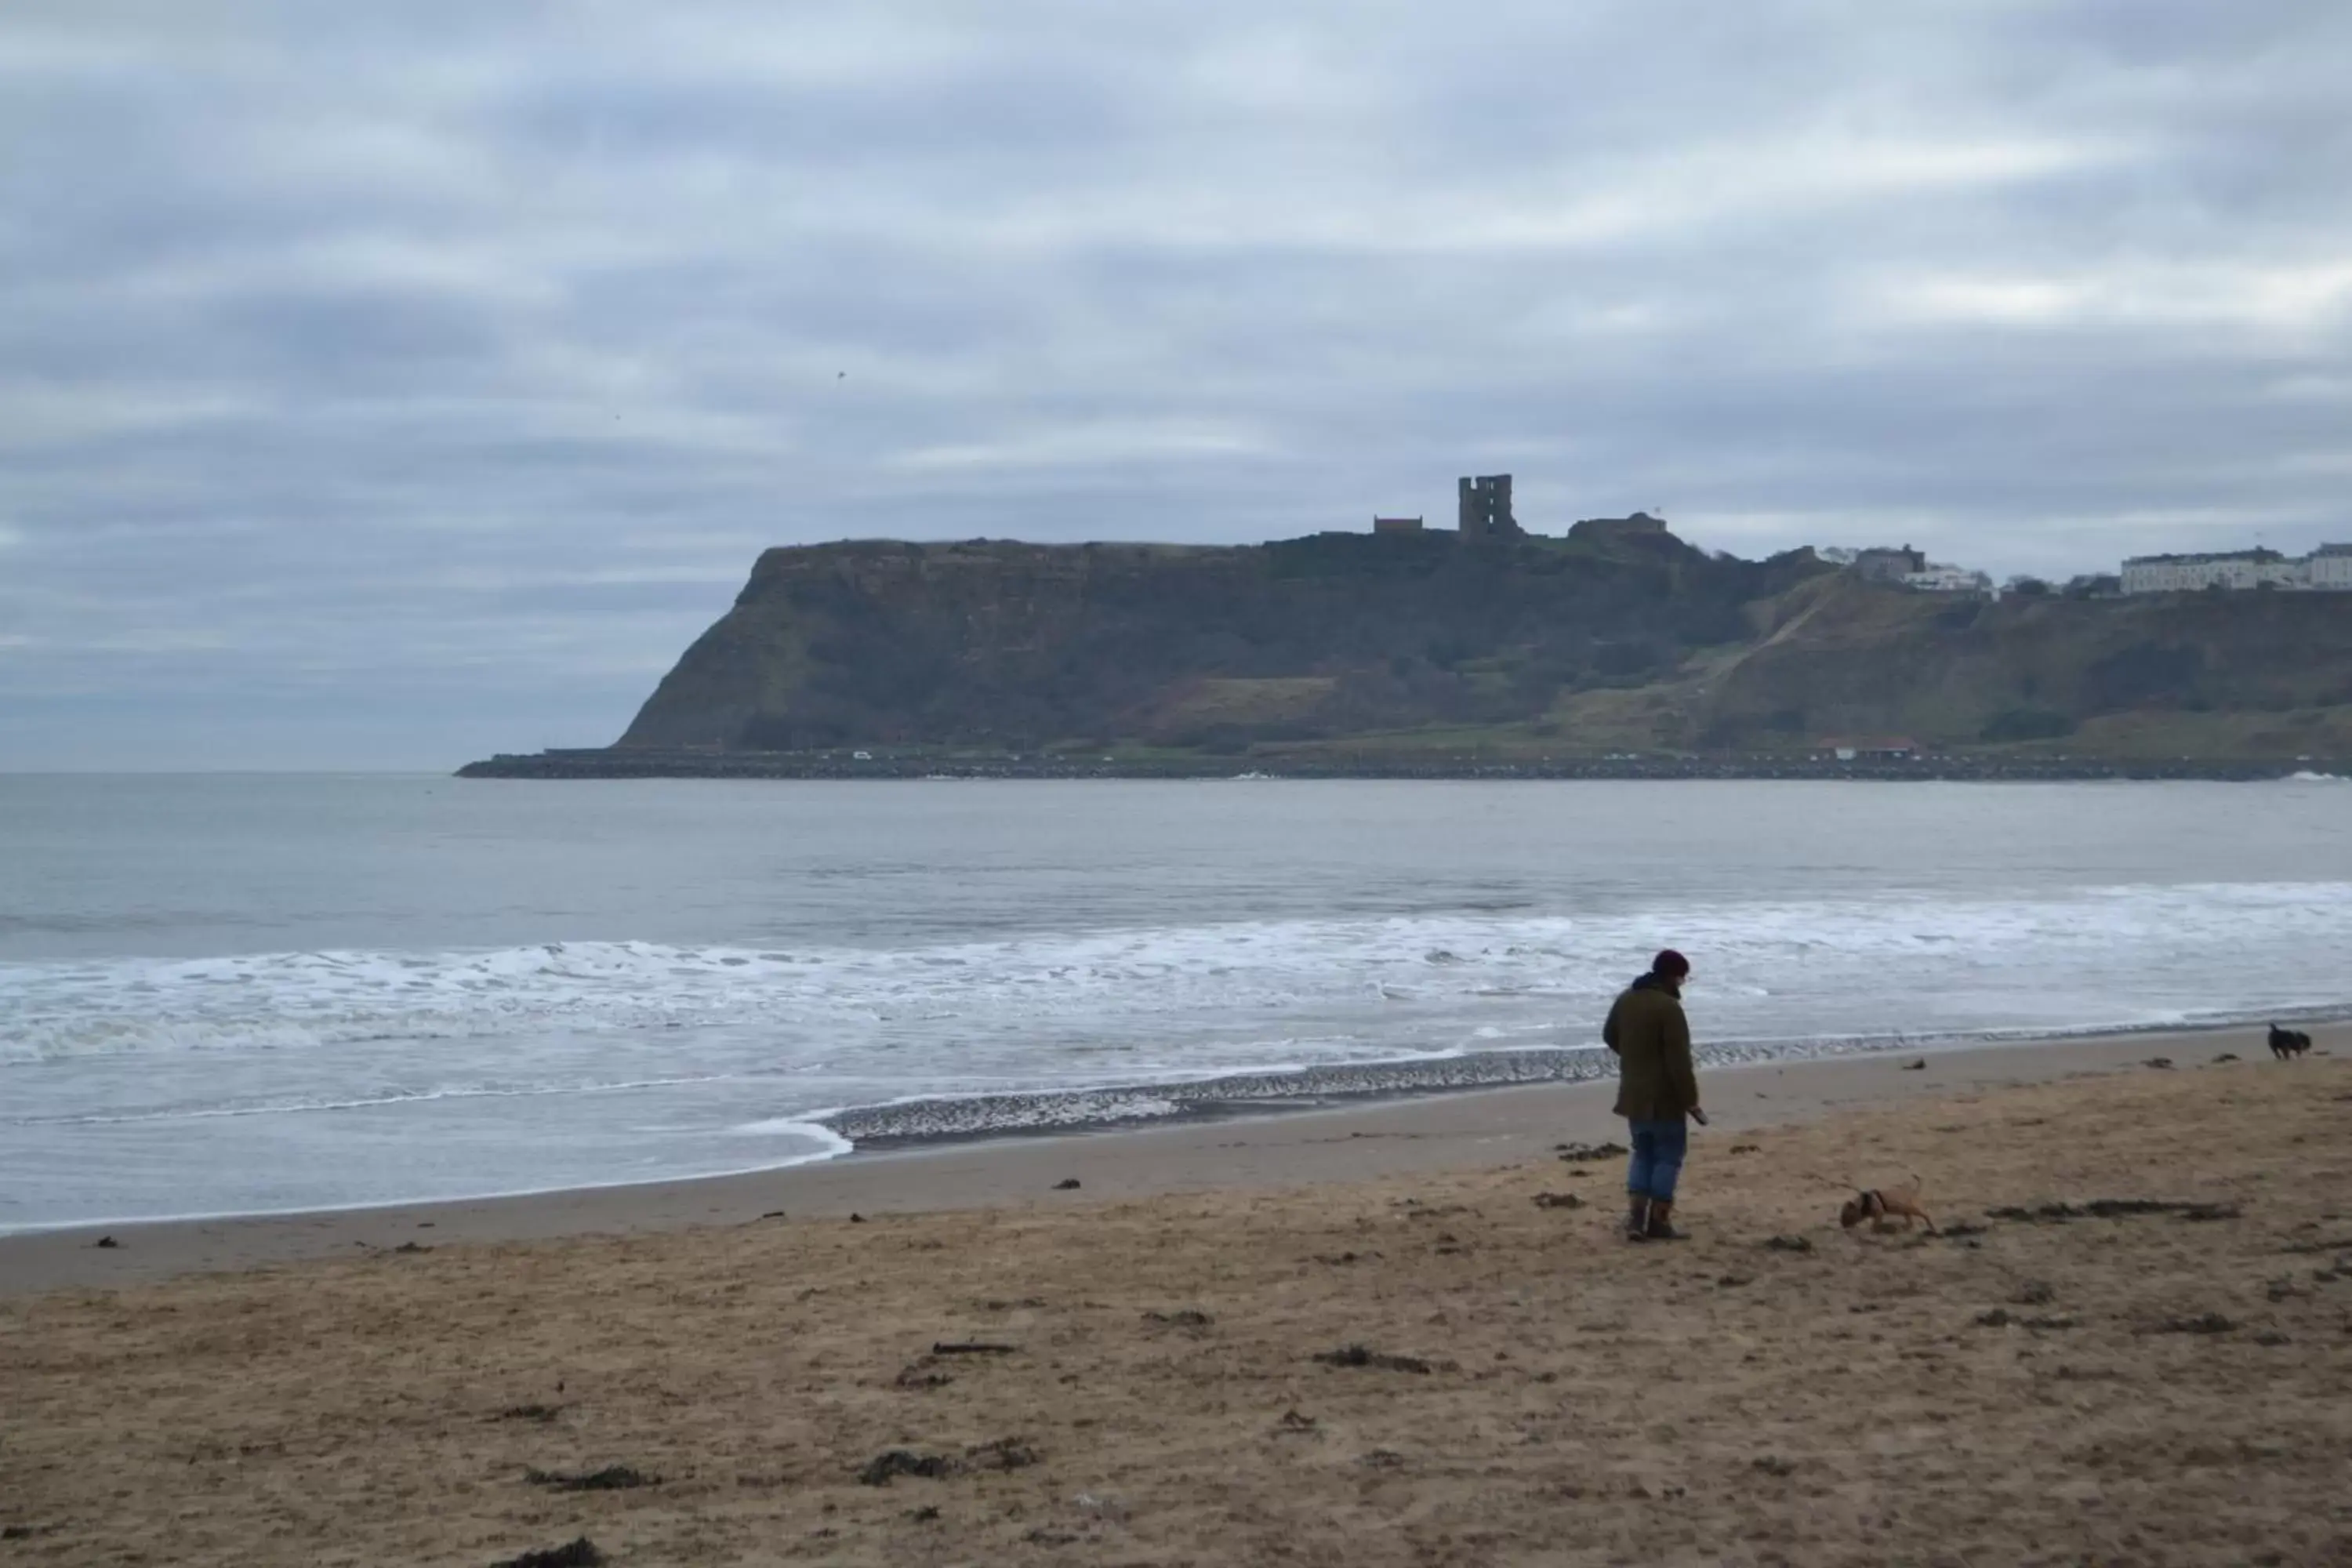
<point x="1670" y="963"/>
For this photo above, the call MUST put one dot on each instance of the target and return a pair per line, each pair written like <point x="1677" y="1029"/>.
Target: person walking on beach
<point x="1656" y="1089"/>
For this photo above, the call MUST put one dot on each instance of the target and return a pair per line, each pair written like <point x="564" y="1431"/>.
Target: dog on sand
<point x="1882" y="1206"/>
<point x="2286" y="1043"/>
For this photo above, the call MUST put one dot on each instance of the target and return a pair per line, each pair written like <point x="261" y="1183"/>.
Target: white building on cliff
<point x="2327" y="568"/>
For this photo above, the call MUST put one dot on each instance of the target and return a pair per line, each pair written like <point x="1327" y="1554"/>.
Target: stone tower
<point x="1486" y="508"/>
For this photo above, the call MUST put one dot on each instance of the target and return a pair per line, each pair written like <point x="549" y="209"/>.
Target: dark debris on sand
<point x="882" y="1467"/>
<point x="611" y="1479"/>
<point x="2197" y="1324"/>
<point x="972" y="1347"/>
<point x="923" y="1372"/>
<point x="1003" y="1453"/>
<point x="1361" y="1356"/>
<point x="580" y="1553"/>
<point x="2113" y="1208"/>
<point x="2002" y="1318"/>
<point x="1787" y="1244"/>
<point x="542" y="1414"/>
<point x="1585" y="1153"/>
<point x="1558" y="1201"/>
<point x="1182" y="1318"/>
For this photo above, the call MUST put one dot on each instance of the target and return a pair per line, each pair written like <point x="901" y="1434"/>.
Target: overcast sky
<point x="385" y="385"/>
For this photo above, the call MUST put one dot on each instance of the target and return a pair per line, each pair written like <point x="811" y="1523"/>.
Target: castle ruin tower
<point x="1485" y="508"/>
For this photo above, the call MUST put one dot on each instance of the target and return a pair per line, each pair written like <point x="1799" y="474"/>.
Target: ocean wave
<point x="1150" y="983"/>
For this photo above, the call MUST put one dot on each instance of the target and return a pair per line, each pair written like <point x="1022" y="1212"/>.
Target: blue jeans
<point x="1657" y="1159"/>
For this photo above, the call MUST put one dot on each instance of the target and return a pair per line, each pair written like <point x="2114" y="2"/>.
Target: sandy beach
<point x="1353" y="1142"/>
<point x="1129" y="1371"/>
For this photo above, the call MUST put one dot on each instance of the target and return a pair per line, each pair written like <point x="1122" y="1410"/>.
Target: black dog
<point x="2288" y="1042"/>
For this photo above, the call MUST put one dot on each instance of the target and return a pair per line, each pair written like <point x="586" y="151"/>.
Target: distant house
<point x="1880" y="564"/>
<point x="1396" y="525"/>
<point x="1904" y="567"/>
<point x="1942" y="579"/>
<point x="2331" y="567"/>
<point x="1882" y="750"/>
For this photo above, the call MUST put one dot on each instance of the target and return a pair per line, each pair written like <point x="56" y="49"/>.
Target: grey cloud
<point x="456" y="359"/>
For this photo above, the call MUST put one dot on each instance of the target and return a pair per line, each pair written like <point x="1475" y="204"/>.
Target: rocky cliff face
<point x="1621" y="636"/>
<point x="1024" y="645"/>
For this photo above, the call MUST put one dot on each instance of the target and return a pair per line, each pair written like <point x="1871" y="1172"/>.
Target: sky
<point x="383" y="386"/>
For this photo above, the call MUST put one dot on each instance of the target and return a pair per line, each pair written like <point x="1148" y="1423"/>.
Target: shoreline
<point x="614" y="762"/>
<point x="925" y="1121"/>
<point x="1265" y="1146"/>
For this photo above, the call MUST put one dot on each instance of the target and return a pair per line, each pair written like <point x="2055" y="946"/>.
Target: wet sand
<point x="2149" y="1387"/>
<point x="1351" y="1142"/>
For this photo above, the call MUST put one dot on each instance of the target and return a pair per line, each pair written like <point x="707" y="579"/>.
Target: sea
<point x="233" y="995"/>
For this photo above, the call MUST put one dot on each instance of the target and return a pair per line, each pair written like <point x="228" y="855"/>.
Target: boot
<point x="1637" y="1217"/>
<point x="1660" y="1225"/>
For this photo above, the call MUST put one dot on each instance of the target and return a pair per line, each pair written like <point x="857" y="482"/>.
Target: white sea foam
<point x="1141" y="986"/>
<point x="829" y="1142"/>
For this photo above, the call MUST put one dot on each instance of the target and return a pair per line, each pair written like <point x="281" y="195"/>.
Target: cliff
<point x="1024" y="645"/>
<point x="1396" y="653"/>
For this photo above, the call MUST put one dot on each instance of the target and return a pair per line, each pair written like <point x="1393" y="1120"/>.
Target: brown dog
<point x="1882" y="1206"/>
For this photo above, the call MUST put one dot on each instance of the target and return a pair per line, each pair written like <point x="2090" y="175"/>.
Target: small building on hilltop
<point x="1939" y="578"/>
<point x="1881" y="564"/>
<point x="1396" y="525"/>
<point x="1883" y="749"/>
<point x="2234" y="569"/>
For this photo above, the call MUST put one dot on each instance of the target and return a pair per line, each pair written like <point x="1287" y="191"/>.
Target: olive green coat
<point x="1651" y="1039"/>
